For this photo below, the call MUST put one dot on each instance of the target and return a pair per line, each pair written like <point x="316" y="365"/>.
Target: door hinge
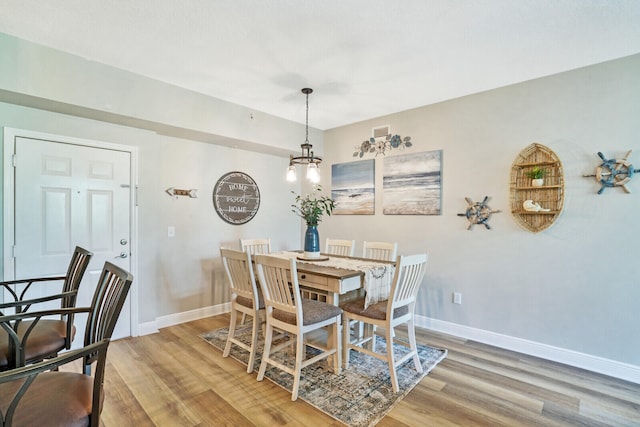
<point x="14" y="160"/>
<point x="13" y="251"/>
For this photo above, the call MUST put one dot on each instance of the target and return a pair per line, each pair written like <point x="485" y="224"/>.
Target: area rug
<point x="360" y="396"/>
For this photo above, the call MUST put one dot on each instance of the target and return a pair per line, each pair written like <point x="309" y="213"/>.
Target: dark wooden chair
<point x="50" y="336"/>
<point x="39" y="394"/>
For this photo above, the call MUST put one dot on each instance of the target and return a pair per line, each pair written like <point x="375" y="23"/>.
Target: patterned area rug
<point x="360" y="396"/>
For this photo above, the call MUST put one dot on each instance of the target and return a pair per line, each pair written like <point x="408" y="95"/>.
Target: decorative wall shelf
<point x="548" y="196"/>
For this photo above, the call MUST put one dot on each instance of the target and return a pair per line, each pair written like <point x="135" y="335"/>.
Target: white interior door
<point x="67" y="195"/>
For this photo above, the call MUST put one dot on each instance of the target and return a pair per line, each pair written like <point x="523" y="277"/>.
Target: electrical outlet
<point x="457" y="298"/>
<point x="171" y="231"/>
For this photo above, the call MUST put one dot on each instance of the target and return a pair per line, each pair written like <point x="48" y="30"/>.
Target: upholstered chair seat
<point x="47" y="339"/>
<point x="374" y="311"/>
<point x="312" y="312"/>
<point x="71" y="406"/>
<point x="248" y="302"/>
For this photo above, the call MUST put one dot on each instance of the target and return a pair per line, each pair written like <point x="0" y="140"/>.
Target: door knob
<point x="123" y="242"/>
<point x="122" y="255"/>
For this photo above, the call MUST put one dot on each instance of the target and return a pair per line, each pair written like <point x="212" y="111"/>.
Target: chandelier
<point x="307" y="157"/>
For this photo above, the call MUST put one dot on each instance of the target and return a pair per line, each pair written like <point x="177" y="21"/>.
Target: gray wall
<point x="573" y="286"/>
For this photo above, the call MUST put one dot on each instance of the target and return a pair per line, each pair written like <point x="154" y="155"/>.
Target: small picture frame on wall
<point x="353" y="187"/>
<point x="412" y="184"/>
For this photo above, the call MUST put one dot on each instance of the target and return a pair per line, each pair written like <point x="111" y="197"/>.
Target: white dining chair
<point x="384" y="251"/>
<point x="288" y="312"/>
<point x="245" y="299"/>
<point x="340" y="247"/>
<point x="397" y="310"/>
<point x="256" y="246"/>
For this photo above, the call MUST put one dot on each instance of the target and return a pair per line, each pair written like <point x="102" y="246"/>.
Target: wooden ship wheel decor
<point x="537" y="188"/>
<point x="478" y="213"/>
<point x="614" y="172"/>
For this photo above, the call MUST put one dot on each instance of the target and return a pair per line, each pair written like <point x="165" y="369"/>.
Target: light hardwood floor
<point x="174" y="378"/>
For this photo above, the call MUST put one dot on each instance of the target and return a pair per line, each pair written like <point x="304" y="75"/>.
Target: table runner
<point x="377" y="275"/>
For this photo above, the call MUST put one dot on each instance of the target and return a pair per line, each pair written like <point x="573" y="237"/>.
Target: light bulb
<point x="313" y="174"/>
<point x="291" y="173"/>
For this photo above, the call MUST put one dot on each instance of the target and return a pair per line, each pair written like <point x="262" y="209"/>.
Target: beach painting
<point x="353" y="187"/>
<point x="412" y="184"/>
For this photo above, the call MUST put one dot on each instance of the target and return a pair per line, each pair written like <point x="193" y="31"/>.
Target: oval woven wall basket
<point x="536" y="207"/>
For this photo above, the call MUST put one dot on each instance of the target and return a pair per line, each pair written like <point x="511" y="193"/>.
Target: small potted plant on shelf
<point x="537" y="174"/>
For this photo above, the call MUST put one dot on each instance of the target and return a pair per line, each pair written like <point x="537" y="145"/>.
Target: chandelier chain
<point x="307" y="121"/>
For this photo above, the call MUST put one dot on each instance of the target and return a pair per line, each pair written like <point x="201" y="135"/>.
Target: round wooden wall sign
<point x="236" y="198"/>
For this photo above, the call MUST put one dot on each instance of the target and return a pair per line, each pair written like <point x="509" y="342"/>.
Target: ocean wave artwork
<point x="353" y="187"/>
<point x="412" y="184"/>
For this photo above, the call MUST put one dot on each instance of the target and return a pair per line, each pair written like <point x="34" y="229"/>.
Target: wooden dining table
<point x="328" y="283"/>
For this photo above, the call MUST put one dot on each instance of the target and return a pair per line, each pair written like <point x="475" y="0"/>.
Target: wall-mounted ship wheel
<point x="478" y="213"/>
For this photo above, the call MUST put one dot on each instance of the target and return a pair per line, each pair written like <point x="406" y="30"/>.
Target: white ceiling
<point x="363" y="58"/>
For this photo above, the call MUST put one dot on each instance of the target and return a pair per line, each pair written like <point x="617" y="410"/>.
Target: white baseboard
<point x="186" y="316"/>
<point x="147" y="328"/>
<point x="601" y="365"/>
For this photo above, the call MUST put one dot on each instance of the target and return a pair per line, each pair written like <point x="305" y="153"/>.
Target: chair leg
<point x="263" y="322"/>
<point x="391" y="359"/>
<point x="298" y="367"/>
<point x="335" y="337"/>
<point x="374" y="328"/>
<point x="370" y="333"/>
<point x="266" y="352"/>
<point x="414" y="345"/>
<point x="360" y="328"/>
<point x="232" y="331"/>
<point x="346" y="341"/>
<point x="254" y="342"/>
